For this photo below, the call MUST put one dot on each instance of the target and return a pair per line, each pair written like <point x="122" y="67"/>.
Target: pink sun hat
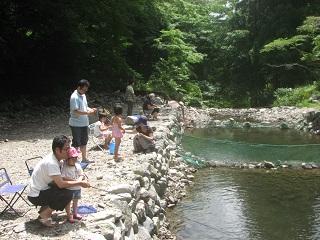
<point x="73" y="152"/>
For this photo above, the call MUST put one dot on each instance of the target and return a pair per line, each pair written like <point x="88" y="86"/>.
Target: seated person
<point x="102" y="128"/>
<point x="47" y="187"/>
<point x="143" y="141"/>
<point x="150" y="109"/>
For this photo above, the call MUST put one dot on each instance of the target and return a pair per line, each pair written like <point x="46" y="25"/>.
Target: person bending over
<point x="151" y="110"/>
<point x="143" y="141"/>
<point x="47" y="188"/>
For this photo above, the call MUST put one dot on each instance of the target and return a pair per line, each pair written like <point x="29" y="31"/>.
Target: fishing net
<point x="231" y="151"/>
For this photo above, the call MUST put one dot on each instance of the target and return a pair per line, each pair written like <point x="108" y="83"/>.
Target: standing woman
<point x="130" y="97"/>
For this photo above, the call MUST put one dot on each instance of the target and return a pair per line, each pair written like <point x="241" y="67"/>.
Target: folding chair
<point x="94" y="139"/>
<point x="7" y="189"/>
<point x="29" y="161"/>
<point x="84" y="165"/>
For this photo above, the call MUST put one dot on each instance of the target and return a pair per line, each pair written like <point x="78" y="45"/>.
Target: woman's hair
<point x="117" y="110"/>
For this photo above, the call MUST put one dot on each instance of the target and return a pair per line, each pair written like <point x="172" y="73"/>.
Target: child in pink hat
<point x="71" y="171"/>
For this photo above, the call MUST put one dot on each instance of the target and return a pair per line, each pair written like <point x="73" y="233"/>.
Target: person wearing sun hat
<point x="71" y="171"/>
<point x="47" y="188"/>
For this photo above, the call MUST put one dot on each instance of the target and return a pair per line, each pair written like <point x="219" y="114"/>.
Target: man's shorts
<point x="76" y="194"/>
<point x="53" y="197"/>
<point x="79" y="136"/>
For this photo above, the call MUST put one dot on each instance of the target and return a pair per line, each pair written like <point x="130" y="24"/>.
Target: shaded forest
<point x="222" y="53"/>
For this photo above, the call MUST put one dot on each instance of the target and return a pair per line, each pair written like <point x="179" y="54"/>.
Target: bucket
<point x="111" y="147"/>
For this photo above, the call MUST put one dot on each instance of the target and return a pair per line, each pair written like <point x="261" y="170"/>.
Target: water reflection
<point x="250" y="204"/>
<point x="253" y="145"/>
<point x="247" y="204"/>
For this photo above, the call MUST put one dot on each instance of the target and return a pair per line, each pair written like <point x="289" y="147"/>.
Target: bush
<point x="294" y="97"/>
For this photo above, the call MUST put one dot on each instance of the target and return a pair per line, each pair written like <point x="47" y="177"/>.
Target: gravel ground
<point x="28" y="134"/>
<point x="25" y="136"/>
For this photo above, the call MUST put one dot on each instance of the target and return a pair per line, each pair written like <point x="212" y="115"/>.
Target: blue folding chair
<point x="84" y="165"/>
<point x="7" y="189"/>
<point x="32" y="161"/>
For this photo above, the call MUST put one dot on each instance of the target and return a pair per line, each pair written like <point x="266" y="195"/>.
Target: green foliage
<point x="48" y="43"/>
<point x="173" y="71"/>
<point x="294" y="97"/>
<point x="310" y="26"/>
<point x="221" y="53"/>
<point x="285" y="44"/>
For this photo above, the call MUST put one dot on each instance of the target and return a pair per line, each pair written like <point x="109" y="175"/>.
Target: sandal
<point x="118" y="159"/>
<point x="47" y="222"/>
<point x="42" y="208"/>
<point x="78" y="217"/>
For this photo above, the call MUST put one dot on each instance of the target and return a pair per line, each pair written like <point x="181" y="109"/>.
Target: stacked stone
<point x="136" y="209"/>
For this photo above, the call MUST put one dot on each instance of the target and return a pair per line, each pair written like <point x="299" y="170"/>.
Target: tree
<point x="173" y="71"/>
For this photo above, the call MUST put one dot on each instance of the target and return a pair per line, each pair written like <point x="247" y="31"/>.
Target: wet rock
<point x="268" y="164"/>
<point x="259" y="165"/>
<point x="284" y="126"/>
<point x="307" y="166"/>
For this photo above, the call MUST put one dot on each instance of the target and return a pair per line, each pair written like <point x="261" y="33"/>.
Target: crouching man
<point x="47" y="188"/>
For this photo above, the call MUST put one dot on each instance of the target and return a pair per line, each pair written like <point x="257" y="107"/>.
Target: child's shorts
<point x="76" y="194"/>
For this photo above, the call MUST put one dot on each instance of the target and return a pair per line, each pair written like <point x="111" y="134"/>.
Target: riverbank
<point x="130" y="196"/>
<point x="300" y="119"/>
<point x="306" y="119"/>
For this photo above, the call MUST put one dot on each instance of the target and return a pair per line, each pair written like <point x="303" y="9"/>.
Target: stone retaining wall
<point x="303" y="119"/>
<point x="135" y="209"/>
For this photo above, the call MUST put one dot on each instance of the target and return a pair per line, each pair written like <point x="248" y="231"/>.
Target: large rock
<point x="121" y="188"/>
<point x="140" y="211"/>
<point x="135" y="223"/>
<point x="150" y="206"/>
<point x="119" y="197"/>
<point x="143" y="234"/>
<point x="149" y="225"/>
<point x="108" y="214"/>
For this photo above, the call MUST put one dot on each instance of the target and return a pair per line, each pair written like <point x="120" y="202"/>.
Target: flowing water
<point x="226" y="203"/>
